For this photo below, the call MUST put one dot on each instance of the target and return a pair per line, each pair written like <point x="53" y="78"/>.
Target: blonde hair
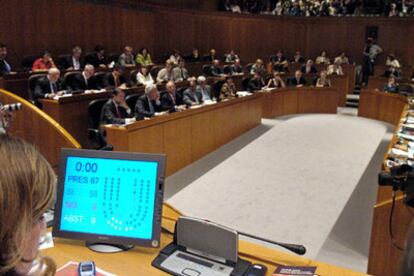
<point x="27" y="187"/>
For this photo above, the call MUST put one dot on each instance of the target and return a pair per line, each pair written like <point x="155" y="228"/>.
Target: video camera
<point x="11" y="107"/>
<point x="400" y="178"/>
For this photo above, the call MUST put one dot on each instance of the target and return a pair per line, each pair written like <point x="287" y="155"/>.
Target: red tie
<point x="117" y="112"/>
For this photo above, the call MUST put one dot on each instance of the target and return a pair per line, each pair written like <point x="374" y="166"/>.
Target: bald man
<point x="126" y="59"/>
<point x="48" y="87"/>
<point x="86" y="80"/>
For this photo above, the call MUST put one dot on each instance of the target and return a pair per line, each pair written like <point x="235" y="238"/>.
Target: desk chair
<point x="133" y="77"/>
<point x="154" y="71"/>
<point x="406" y="88"/>
<point x="227" y="69"/>
<point x="68" y="79"/>
<point x="180" y="91"/>
<point x="61" y="61"/>
<point x="28" y="61"/>
<point x="114" y="57"/>
<point x="217" y="88"/>
<point x="206" y="70"/>
<point x="131" y="100"/>
<point x="31" y="86"/>
<point x="245" y="83"/>
<point x="249" y="67"/>
<point x="95" y="136"/>
<point x="101" y="79"/>
<point x="89" y="57"/>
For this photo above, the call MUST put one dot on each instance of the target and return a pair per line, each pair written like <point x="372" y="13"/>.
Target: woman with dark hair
<point x="143" y="58"/>
<point x="27" y="187"/>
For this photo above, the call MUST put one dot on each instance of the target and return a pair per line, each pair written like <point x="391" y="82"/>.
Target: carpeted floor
<point x="307" y="179"/>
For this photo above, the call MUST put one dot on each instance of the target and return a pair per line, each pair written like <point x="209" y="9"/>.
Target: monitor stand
<point x="107" y="247"/>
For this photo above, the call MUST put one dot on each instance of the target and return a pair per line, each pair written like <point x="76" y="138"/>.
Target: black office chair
<point x="154" y="71"/>
<point x="101" y="79"/>
<point x="62" y="61"/>
<point x="180" y="91"/>
<point x="249" y="67"/>
<point x="227" y="69"/>
<point x="90" y="58"/>
<point x="113" y="57"/>
<point x="272" y="58"/>
<point x="245" y="84"/>
<point x="206" y="70"/>
<point x="31" y="86"/>
<point x="217" y="88"/>
<point x="133" y="77"/>
<point x="27" y="62"/>
<point x="131" y="100"/>
<point x="94" y="115"/>
<point x="406" y="88"/>
<point x="68" y="79"/>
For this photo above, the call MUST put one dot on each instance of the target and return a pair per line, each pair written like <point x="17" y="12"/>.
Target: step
<point x="352" y="104"/>
<point x="352" y="97"/>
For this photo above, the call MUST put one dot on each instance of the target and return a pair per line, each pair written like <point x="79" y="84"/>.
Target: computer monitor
<point x="112" y="200"/>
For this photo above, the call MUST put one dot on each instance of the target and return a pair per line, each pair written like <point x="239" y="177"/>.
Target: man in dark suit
<point x="171" y="101"/>
<point x="256" y="83"/>
<point x="236" y="68"/>
<point x="148" y="105"/>
<point x="5" y="67"/>
<point x="308" y="68"/>
<point x="211" y="56"/>
<point x="215" y="69"/>
<point x="115" y="78"/>
<point x="98" y="59"/>
<point x="298" y="80"/>
<point x="48" y="87"/>
<point x="75" y="61"/>
<point x="191" y="95"/>
<point x="115" y="110"/>
<point x="86" y="80"/>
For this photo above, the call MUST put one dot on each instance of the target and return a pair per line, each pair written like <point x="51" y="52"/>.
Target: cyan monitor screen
<point x="109" y="197"/>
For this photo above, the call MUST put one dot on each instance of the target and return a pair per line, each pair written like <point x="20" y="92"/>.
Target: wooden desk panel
<point x="189" y="135"/>
<point x="287" y="101"/>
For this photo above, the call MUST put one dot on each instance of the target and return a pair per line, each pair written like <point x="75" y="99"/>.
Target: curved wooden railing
<point x="38" y="128"/>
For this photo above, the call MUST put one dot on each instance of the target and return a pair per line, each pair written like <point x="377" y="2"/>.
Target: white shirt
<point x="145" y="80"/>
<point x="76" y="63"/>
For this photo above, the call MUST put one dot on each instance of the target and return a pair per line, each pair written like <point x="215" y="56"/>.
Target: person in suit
<point x="191" y="95"/>
<point x="175" y="57"/>
<point x="44" y="63"/>
<point x="298" y="80"/>
<point x="171" y="101"/>
<point x="195" y="56"/>
<point x="115" y="78"/>
<point x="75" y="61"/>
<point x="228" y="89"/>
<point x="143" y="58"/>
<point x="115" y="110"/>
<point x="149" y="104"/>
<point x="276" y="81"/>
<point x="126" y="59"/>
<point x="166" y="73"/>
<point x="98" y="59"/>
<point x="298" y="58"/>
<point x="86" y="80"/>
<point x="231" y="57"/>
<point x="391" y="86"/>
<point x="256" y="83"/>
<point x="144" y="77"/>
<point x="5" y="67"/>
<point x="308" y="68"/>
<point x="48" y="87"/>
<point x="236" y="68"/>
<point x="258" y="67"/>
<point x="180" y="72"/>
<point x="280" y="63"/>
<point x="204" y="89"/>
<point x="392" y="71"/>
<point x="215" y="69"/>
<point x="211" y="56"/>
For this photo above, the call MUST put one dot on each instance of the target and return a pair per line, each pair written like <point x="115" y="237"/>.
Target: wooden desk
<point x="189" y="135"/>
<point x="292" y="100"/>
<point x="138" y="260"/>
<point x="72" y="112"/>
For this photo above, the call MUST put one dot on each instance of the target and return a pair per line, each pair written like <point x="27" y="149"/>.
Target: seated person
<point x="149" y="104"/>
<point x="144" y="77"/>
<point x="98" y="59"/>
<point x="43" y="63"/>
<point x="195" y="56"/>
<point x="126" y="59"/>
<point x="228" y="89"/>
<point x="280" y="63"/>
<point x="276" y="81"/>
<point x="298" y="58"/>
<point x="215" y="69"/>
<point x="335" y="68"/>
<point x="392" y="71"/>
<point x="204" y="89"/>
<point x="180" y="72"/>
<point x="211" y="56"/>
<point x="115" y="78"/>
<point x="143" y="58"/>
<point x="49" y="86"/>
<point x="342" y="59"/>
<point x="115" y="110"/>
<point x="86" y="80"/>
<point x="258" y="67"/>
<point x="236" y="68"/>
<point x="308" y="68"/>
<point x="323" y="59"/>
<point x="298" y="80"/>
<point x="28" y="187"/>
<point x="256" y="83"/>
<point x="166" y="73"/>
<point x="392" y="62"/>
<point x="175" y="57"/>
<point x="231" y="57"/>
<point x="391" y="86"/>
<point x="171" y="100"/>
<point x="74" y="62"/>
<point x="323" y="80"/>
<point x="5" y="67"/>
<point x="192" y="96"/>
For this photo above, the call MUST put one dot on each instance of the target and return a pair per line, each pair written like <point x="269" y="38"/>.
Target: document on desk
<point x="62" y="96"/>
<point x="283" y="270"/>
<point x="243" y="93"/>
<point x="71" y="269"/>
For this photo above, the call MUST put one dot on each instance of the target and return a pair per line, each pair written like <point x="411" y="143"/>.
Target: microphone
<point x="295" y="248"/>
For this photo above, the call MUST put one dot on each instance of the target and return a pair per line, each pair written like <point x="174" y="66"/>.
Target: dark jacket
<point x="142" y="108"/>
<point x="167" y="102"/>
<point x="109" y="115"/>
